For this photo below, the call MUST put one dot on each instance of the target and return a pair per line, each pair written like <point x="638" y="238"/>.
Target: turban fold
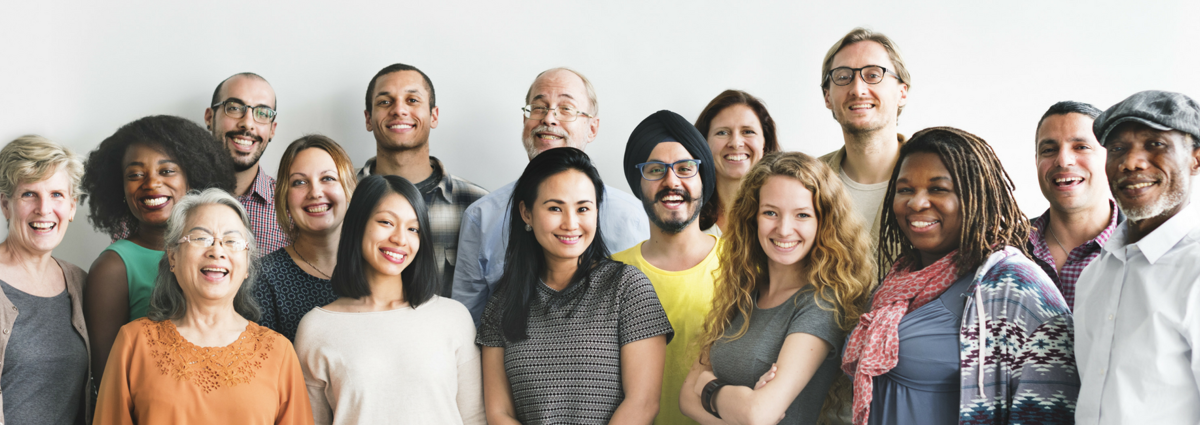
<point x="667" y="126"/>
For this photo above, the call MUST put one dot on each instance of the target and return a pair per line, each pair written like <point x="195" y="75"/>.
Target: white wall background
<point x="76" y="71"/>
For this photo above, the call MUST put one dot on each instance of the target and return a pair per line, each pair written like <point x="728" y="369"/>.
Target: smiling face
<point x="927" y="207"/>
<point x="564" y="215"/>
<point x="153" y="181"/>
<point x="556" y="89"/>
<point x="1070" y="163"/>
<point x="316" y="199"/>
<point x="672" y="203"/>
<point x="1150" y="171"/>
<point x="244" y="138"/>
<point x="787" y="220"/>
<point x="391" y="239"/>
<point x="38" y="212"/>
<point x="863" y="108"/>
<point x="736" y="140"/>
<point x="400" y="115"/>
<point x="211" y="273"/>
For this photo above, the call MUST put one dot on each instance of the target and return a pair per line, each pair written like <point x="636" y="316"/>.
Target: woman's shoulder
<point x="616" y="273"/>
<point x="276" y="264"/>
<point x="70" y="271"/>
<point x="268" y="340"/>
<point x="1014" y="276"/>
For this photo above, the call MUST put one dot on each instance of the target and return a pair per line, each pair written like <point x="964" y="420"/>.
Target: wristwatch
<point x="707" y="396"/>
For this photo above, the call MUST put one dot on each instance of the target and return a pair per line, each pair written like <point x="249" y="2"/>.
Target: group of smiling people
<point x="765" y="293"/>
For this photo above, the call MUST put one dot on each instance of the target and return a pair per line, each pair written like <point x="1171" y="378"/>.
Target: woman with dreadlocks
<point x="965" y="328"/>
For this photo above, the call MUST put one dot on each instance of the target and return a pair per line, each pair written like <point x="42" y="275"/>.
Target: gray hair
<point x="167" y="300"/>
<point x="593" y="101"/>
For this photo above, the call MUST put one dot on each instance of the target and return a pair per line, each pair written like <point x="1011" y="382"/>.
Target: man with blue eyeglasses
<point x="561" y="109"/>
<point x="865" y="85"/>
<point x="241" y="117"/>
<point x="669" y="166"/>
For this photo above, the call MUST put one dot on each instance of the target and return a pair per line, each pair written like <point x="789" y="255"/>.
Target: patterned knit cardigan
<point x="1028" y="366"/>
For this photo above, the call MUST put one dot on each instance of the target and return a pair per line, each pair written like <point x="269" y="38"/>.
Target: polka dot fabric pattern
<point x="286" y="293"/>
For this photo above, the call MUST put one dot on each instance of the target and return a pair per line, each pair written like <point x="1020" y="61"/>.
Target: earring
<point x="528" y="228"/>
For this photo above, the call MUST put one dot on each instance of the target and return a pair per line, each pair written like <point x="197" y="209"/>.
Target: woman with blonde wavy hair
<point x="791" y="284"/>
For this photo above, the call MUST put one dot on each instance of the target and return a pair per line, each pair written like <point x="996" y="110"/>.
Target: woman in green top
<point x="134" y="179"/>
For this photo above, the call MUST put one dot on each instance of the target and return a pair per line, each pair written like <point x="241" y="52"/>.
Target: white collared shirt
<point x="1137" y="327"/>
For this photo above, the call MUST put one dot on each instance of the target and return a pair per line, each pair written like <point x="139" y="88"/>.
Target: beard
<point x="240" y="162"/>
<point x="1174" y="195"/>
<point x="669" y="225"/>
<point x="530" y="142"/>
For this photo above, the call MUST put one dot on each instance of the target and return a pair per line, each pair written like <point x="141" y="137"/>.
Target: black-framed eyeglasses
<point x="236" y="110"/>
<point x="564" y="113"/>
<point x="655" y="170"/>
<point x="232" y="243"/>
<point x="871" y="74"/>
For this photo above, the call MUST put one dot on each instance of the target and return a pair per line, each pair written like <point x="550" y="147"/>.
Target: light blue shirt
<point x="483" y="239"/>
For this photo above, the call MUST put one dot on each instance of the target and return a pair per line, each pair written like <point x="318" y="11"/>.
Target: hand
<point x="766" y="377"/>
<point x="703" y="381"/>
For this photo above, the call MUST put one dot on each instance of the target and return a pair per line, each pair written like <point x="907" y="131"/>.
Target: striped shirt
<point x="446" y="197"/>
<point x="569" y="368"/>
<point x="1079" y="257"/>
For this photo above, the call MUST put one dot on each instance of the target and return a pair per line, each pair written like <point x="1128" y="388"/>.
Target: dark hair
<point x="397" y="67"/>
<point x="217" y="92"/>
<point x="205" y="164"/>
<point x="727" y="98"/>
<point x="1068" y="107"/>
<point x="421" y="280"/>
<point x="524" y="259"/>
<point x="990" y="216"/>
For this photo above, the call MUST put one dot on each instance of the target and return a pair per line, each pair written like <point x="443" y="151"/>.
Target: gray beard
<point x="1169" y="200"/>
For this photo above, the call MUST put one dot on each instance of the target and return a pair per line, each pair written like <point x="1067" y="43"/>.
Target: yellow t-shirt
<point x="686" y="296"/>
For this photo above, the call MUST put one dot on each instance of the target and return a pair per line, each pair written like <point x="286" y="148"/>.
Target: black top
<point x="569" y="369"/>
<point x="286" y="293"/>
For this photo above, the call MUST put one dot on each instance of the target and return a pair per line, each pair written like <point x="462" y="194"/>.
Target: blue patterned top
<point x="286" y="293"/>
<point x="1028" y="364"/>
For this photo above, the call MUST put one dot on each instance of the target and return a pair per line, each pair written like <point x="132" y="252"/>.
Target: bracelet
<point x="707" y="397"/>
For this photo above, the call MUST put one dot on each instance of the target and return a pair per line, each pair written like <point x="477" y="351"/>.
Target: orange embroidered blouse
<point x="155" y="376"/>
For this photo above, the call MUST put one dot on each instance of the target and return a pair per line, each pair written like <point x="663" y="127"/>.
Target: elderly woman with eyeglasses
<point x="198" y="357"/>
<point x="43" y="342"/>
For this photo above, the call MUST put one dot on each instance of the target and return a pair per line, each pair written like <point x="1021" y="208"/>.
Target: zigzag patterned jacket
<point x="1026" y="374"/>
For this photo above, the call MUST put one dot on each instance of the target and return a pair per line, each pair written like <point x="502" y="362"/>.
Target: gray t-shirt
<point x="744" y="360"/>
<point x="866" y="197"/>
<point x="45" y="363"/>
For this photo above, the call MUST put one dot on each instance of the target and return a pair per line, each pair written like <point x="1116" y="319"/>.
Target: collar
<point x="444" y="184"/>
<point x="1038" y="231"/>
<point x="262" y="186"/>
<point x="1156" y="244"/>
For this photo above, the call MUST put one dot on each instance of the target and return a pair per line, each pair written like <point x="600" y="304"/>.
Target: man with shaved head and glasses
<point x="241" y="117"/>
<point x="865" y="84"/>
<point x="560" y="110"/>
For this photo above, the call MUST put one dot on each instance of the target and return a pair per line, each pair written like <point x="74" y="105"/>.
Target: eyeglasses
<point x="232" y="243"/>
<point x="563" y="113"/>
<point x="236" y="110"/>
<point x="872" y="74"/>
<point x="655" y="170"/>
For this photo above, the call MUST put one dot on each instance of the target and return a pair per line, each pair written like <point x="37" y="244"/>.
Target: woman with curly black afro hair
<point x="133" y="181"/>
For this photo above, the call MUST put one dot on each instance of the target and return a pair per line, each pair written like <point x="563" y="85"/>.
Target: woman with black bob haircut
<point x="569" y="335"/>
<point x="133" y="181"/>
<point x="389" y="349"/>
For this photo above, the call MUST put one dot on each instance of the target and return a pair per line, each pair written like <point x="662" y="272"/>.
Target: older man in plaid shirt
<point x="1082" y="215"/>
<point x="401" y="109"/>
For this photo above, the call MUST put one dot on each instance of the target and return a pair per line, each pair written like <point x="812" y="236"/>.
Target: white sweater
<point x="403" y="366"/>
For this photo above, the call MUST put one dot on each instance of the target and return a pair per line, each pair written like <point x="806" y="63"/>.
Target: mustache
<point x="1126" y="178"/>
<point x="256" y="137"/>
<point x="548" y="129"/>
<point x="687" y="197"/>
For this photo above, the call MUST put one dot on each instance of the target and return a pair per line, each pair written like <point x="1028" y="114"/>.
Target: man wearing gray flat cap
<point x="1137" y="309"/>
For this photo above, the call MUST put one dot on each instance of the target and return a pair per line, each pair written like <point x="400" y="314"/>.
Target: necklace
<point x="1049" y="231"/>
<point x="298" y="254"/>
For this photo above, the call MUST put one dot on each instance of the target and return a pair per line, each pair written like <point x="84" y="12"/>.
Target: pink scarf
<point x="874" y="346"/>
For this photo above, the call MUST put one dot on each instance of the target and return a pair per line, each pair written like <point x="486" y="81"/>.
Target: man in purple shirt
<point x="241" y="117"/>
<point x="1082" y="214"/>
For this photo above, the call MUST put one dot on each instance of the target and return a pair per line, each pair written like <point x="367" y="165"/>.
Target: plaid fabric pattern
<point x="1077" y="259"/>
<point x="446" y="202"/>
<point x="260" y="206"/>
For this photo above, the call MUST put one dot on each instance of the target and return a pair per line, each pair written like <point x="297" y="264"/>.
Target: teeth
<point x="318" y="208"/>
<point x="569" y="238"/>
<point x="1068" y="180"/>
<point x="42" y="225"/>
<point x="400" y="126"/>
<point x="550" y="136"/>
<point x="1139" y="185"/>
<point x="215" y="270"/>
<point x="242" y="142"/>
<point x="672" y="198"/>
<point x="737" y="157"/>
<point x="922" y="224"/>
<point x="857" y="107"/>
<point x="394" y="256"/>
<point x="154" y="202"/>
<point x="784" y="244"/>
